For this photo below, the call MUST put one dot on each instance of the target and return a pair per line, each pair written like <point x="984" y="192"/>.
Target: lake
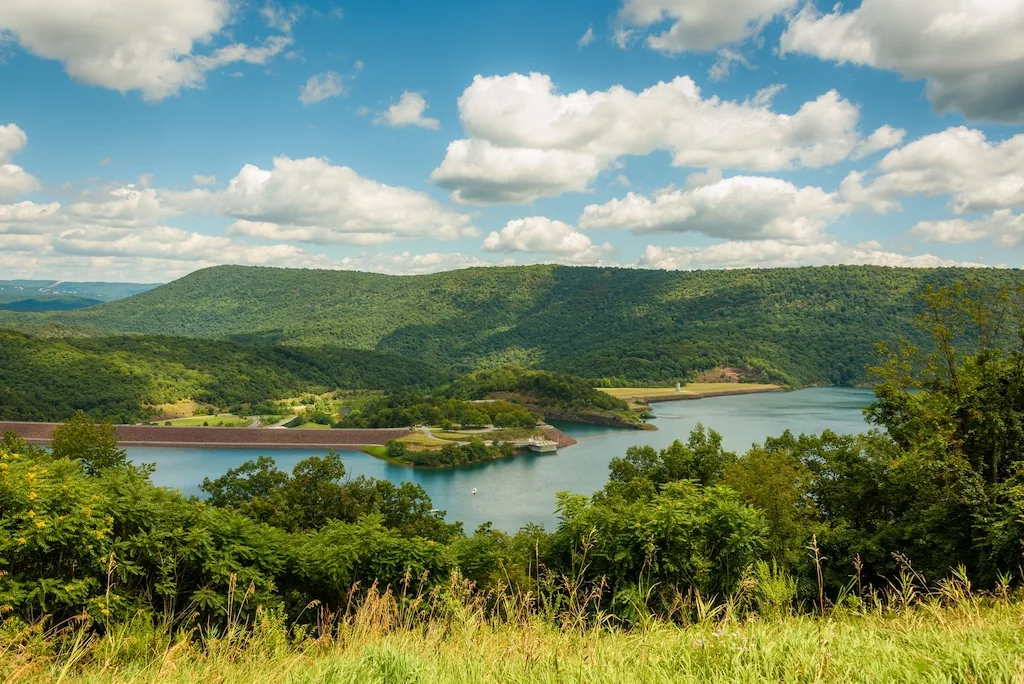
<point x="513" y="492"/>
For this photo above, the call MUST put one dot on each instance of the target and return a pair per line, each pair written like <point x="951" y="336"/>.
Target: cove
<point x="516" y="491"/>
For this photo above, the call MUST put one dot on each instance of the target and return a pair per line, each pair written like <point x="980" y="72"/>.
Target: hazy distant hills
<point x="51" y="295"/>
<point x="802" y="326"/>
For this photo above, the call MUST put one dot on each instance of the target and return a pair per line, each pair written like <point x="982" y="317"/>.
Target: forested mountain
<point x="800" y="326"/>
<point x="117" y="378"/>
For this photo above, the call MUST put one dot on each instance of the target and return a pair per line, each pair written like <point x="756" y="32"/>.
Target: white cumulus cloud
<point x="526" y="140"/>
<point x="741" y="208"/>
<point x="701" y="25"/>
<point x="1003" y="227"/>
<point x="14" y="180"/>
<point x="320" y="87"/>
<point x="408" y="111"/>
<point x="970" y="52"/>
<point x="976" y="173"/>
<point x="310" y="200"/>
<point x="130" y="45"/>
<point x="772" y="254"/>
<point x="540" y="234"/>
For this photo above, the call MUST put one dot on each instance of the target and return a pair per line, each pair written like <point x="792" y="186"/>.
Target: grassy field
<point x="703" y="389"/>
<point x="312" y="426"/>
<point x="224" y="420"/>
<point x="969" y="639"/>
<point x="420" y="439"/>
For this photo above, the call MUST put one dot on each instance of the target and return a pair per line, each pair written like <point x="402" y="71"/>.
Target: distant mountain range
<point x="58" y="295"/>
<point x="813" y="325"/>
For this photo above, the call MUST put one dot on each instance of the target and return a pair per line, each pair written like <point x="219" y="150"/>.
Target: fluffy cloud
<point x="527" y="141"/>
<point x="543" y="235"/>
<point x="321" y="87"/>
<point x="587" y="38"/>
<point x="12" y="141"/>
<point x="408" y="111"/>
<point x="977" y="174"/>
<point x="741" y="207"/>
<point x="969" y="51"/>
<point x="199" y="179"/>
<point x="479" y="172"/>
<point x="771" y="253"/>
<point x="126" y="207"/>
<point x="1003" y="227"/>
<point x="310" y="200"/>
<point x="701" y="25"/>
<point x="169" y="243"/>
<point x="29" y="218"/>
<point x="14" y="181"/>
<point x="129" y="45"/>
<point x="882" y="139"/>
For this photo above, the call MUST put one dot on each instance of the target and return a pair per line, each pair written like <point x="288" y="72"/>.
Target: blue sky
<point x="141" y="141"/>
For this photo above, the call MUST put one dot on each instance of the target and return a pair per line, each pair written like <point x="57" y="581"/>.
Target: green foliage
<point x="554" y="391"/>
<point x="701" y="460"/>
<point x="317" y="492"/>
<point x="815" y="518"/>
<point x="452" y="454"/>
<point x="121" y="378"/>
<point x="795" y="326"/>
<point x="94" y="445"/>
<point x="776" y="482"/>
<point x="419" y="408"/>
<point x="684" y="537"/>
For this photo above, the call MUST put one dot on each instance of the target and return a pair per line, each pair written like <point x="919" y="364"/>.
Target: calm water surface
<point x="516" y="491"/>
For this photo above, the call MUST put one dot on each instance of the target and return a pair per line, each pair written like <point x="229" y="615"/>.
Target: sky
<point x="140" y="141"/>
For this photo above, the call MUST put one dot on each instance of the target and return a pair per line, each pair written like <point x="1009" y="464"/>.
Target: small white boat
<point x="474" y="491"/>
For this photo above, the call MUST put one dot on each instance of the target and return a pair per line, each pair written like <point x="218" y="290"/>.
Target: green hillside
<point x="117" y="378"/>
<point x="800" y="326"/>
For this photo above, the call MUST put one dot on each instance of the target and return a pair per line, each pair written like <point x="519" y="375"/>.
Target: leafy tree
<point x="702" y="459"/>
<point x="95" y="445"/>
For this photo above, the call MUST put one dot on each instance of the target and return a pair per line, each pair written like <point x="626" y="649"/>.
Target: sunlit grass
<point x="689" y="389"/>
<point x="952" y="636"/>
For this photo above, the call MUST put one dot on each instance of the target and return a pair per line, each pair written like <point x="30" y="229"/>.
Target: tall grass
<point x="904" y="633"/>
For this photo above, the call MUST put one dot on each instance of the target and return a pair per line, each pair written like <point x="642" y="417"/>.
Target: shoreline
<point x="694" y="396"/>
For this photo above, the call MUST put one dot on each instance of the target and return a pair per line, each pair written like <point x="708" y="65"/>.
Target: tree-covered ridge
<point x="545" y="389"/>
<point x="119" y="378"/>
<point x="797" y="326"/>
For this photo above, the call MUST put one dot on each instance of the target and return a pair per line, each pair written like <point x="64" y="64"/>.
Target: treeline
<point x="557" y="391"/>
<point x="449" y="455"/>
<point x="420" y="408"/>
<point x="792" y="326"/>
<point x="509" y="396"/>
<point x="121" y="378"/>
<point x="816" y="518"/>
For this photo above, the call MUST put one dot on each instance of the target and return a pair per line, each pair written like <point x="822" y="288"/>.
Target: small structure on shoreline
<point x="542" y="446"/>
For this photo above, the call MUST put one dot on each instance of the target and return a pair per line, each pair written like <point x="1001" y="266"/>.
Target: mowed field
<point x="693" y="390"/>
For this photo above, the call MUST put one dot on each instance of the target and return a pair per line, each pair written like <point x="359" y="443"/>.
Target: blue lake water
<point x="513" y="492"/>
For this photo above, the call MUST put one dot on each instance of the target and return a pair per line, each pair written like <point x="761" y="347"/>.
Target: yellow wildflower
<point x="99" y="534"/>
<point x="31" y="513"/>
<point x="40" y="523"/>
<point x="21" y="540"/>
<point x="32" y="495"/>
